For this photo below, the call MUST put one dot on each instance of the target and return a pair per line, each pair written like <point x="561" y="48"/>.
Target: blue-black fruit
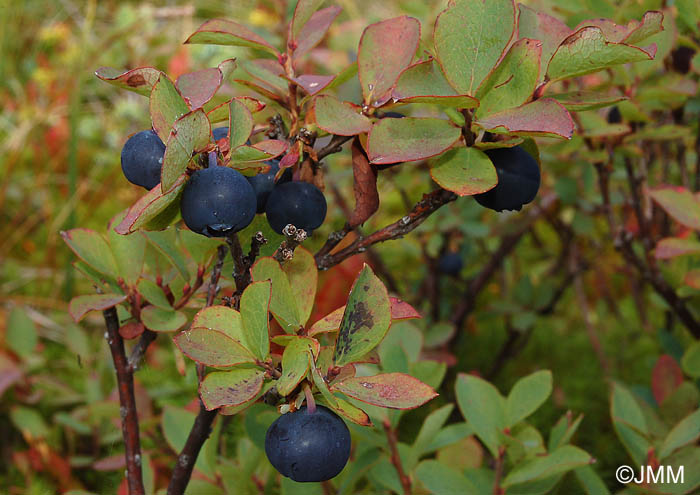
<point x="219" y="133"/>
<point x="614" y="116"/>
<point x="264" y="183"/>
<point x="217" y="201"/>
<point x="450" y="264"/>
<point x="298" y="203"/>
<point x="142" y="159"/>
<point x="518" y="179"/>
<point x="307" y="446"/>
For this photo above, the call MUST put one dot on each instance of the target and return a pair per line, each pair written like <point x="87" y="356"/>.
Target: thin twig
<point x="213" y="288"/>
<point x="335" y="146"/>
<point x="396" y="458"/>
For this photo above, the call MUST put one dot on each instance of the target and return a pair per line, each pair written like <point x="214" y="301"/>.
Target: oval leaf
<point x="230" y="388"/>
<point x="527" y="395"/>
<point x="545" y="117"/>
<point x="302" y="274"/>
<point x="484" y="408"/>
<point x="189" y="134"/>
<point x="162" y="320"/>
<point x="672" y="247"/>
<point x="340" y="118"/>
<point x="538" y="26"/>
<point x="313" y="84"/>
<point x="303" y="11"/>
<point x="240" y="123"/>
<point x="212" y="348"/>
<point x="151" y="208"/>
<point x="221" y="112"/>
<point x="392" y="390"/>
<point x="408" y="139"/>
<point x="561" y="460"/>
<point x="282" y="303"/>
<point x="681" y="204"/>
<point x="166" y="106"/>
<point x="140" y="80"/>
<point x="579" y="101"/>
<point x="295" y="364"/>
<point x="464" y="171"/>
<point x="197" y="88"/>
<point x="224" y="32"/>
<point x="424" y="82"/>
<point x="315" y="29"/>
<point x="255" y="304"/>
<point x="92" y="248"/>
<point x="81" y="305"/>
<point x="222" y="318"/>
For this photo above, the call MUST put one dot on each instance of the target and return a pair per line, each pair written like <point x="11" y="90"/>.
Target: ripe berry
<point x="518" y="179"/>
<point x="220" y="133"/>
<point x="298" y="203"/>
<point x="264" y="183"/>
<point x="614" y="116"/>
<point x="450" y="264"/>
<point x="307" y="446"/>
<point x="217" y="201"/>
<point x="142" y="159"/>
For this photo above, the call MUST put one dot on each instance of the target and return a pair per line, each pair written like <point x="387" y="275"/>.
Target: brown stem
<point x="335" y="146"/>
<point x="127" y="403"/>
<point x="139" y="350"/>
<point x="497" y="490"/>
<point x="216" y="275"/>
<point x="395" y="458"/>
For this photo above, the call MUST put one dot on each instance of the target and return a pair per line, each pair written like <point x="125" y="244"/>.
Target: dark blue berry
<point x="298" y="203"/>
<point x="518" y="179"/>
<point x="264" y="183"/>
<point x="142" y="159"/>
<point x="450" y="264"/>
<point x="220" y="133"/>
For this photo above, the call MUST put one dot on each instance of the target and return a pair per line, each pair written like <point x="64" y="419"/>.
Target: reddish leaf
<point x="549" y="30"/>
<point x="224" y="32"/>
<point x="692" y="279"/>
<point x="401" y="310"/>
<point x="79" y="306"/>
<point x="386" y="49"/>
<point x="313" y="84"/>
<point x="212" y="348"/>
<point x="268" y="73"/>
<point x="337" y="117"/>
<point x="364" y="186"/>
<point x="230" y="388"/>
<point x="679" y="203"/>
<point x="303" y="11"/>
<point x="351" y="412"/>
<point x="408" y="139"/>
<point x="10" y="373"/>
<point x="199" y="87"/>
<point x="545" y="117"/>
<point x="424" y="82"/>
<point x="220" y="112"/>
<point x="672" y="247"/>
<point x="140" y="80"/>
<point x="131" y="330"/>
<point x="314" y="30"/>
<point x="149" y="207"/>
<point x="268" y="93"/>
<point x="665" y="378"/>
<point x="166" y="106"/>
<point x="290" y="159"/>
<point x="392" y="390"/>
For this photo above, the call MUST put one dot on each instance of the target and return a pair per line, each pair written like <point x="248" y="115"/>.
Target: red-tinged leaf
<point x="408" y="139"/>
<point x="190" y="133"/>
<point x="350" y="412"/>
<point x="131" y="330"/>
<point x="651" y="23"/>
<point x="273" y="147"/>
<point x="226" y="68"/>
<point x="222" y="318"/>
<point x="679" y="203"/>
<point x="302" y="274"/>
<point x="230" y="388"/>
<point x="579" y="101"/>
<point x="140" y="80"/>
<point x="424" y="82"/>
<point x="295" y="365"/>
<point x="224" y="32"/>
<point x="162" y="320"/>
<point x="10" y="373"/>
<point x="81" y="305"/>
<point x="545" y="117"/>
<point x="212" y="348"/>
<point x="401" y="310"/>
<point x="665" y="378"/>
<point x="247" y="156"/>
<point x="672" y="247"/>
<point x="221" y="112"/>
<point x="240" y="123"/>
<point x="549" y="30"/>
<point x="464" y="171"/>
<point x="290" y="159"/>
<point x="303" y="11"/>
<point x="197" y="88"/>
<point x="93" y="249"/>
<point x="470" y="38"/>
<point x="166" y="106"/>
<point x="268" y="74"/>
<point x="364" y="186"/>
<point x="314" y="30"/>
<point x="268" y="93"/>
<point x="692" y="279"/>
<point x="313" y="84"/>
<point x="337" y="117"/>
<point x="150" y="207"/>
<point x="386" y="49"/>
<point x="392" y="390"/>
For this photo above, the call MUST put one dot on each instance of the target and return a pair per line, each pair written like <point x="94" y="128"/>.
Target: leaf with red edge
<point x="400" y="310"/>
<point x="225" y="32"/>
<point x="221" y="112"/>
<point x="223" y="319"/>
<point x="93" y="249"/>
<point x="544" y="117"/>
<point x="386" y="49"/>
<point x="464" y="171"/>
<point x="303" y="11"/>
<point x="392" y="390"/>
<point x="197" y="88"/>
<point x="240" y="123"/>
<point x="273" y="147"/>
<point x="314" y="30"/>
<point x="672" y="247"/>
<point x="470" y="37"/>
<point x="162" y="320"/>
<point x="230" y="388"/>
<point x="166" y="106"/>
<point x="212" y="348"/>
<point x="295" y="364"/>
<point x="680" y="204"/>
<point x="140" y="80"/>
<point x="150" y="207"/>
<point x="579" y="101"/>
<point x="337" y="117"/>
<point x="313" y="84"/>
<point x="268" y="73"/>
<point x="81" y="305"/>
<point x="190" y="133"/>
<point x="408" y="139"/>
<point x="250" y="156"/>
<point x="282" y="303"/>
<point x="131" y="330"/>
<point x="665" y="378"/>
<point x="266" y="92"/>
<point x="424" y="82"/>
<point x="302" y="274"/>
<point x="364" y="186"/>
<point x="539" y="26"/>
<point x="651" y="24"/>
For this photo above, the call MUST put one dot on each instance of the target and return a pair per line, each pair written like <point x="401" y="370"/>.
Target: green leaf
<point x="29" y="422"/>
<point x="424" y="82"/>
<point x="245" y="156"/>
<point x="539" y="26"/>
<point x="527" y="395"/>
<point x="153" y="293"/>
<point x="464" y="171"/>
<point x="392" y="390"/>
<point x="322" y="386"/>
<point x="484" y="408"/>
<point x="673" y="247"/>
<point x="200" y="248"/>
<point x="430" y="428"/>
<point x="366" y="319"/>
<point x="221" y="112"/>
<point x="691" y="360"/>
<point x="162" y="320"/>
<point x="338" y="117"/>
<point x="588" y="51"/>
<point x="176" y="424"/>
<point x="681" y="204"/>
<point x="190" y="133"/>
<point x="154" y="210"/>
<point x="449" y="435"/>
<point x="685" y="432"/>
<point x="590" y="481"/>
<point x="268" y="74"/>
<point x="255" y="304"/>
<point x="578" y="101"/>
<point x="212" y="348"/>
<point x="223" y="319"/>
<point x="629" y="422"/>
<point x="513" y="81"/>
<point x="303" y="11"/>
<point x="240" y="123"/>
<point x="302" y="274"/>
<point x="166" y="242"/>
<point x="230" y="388"/>
<point x="408" y="139"/>
<point x="443" y="480"/>
<point x="166" y="106"/>
<point x="386" y="49"/>
<point x="140" y="80"/>
<point x="470" y="38"/>
<point x="295" y="364"/>
<point x="81" y="305"/>
<point x="543" y="117"/>
<point x="20" y="334"/>
<point x="314" y="30"/>
<point x="563" y="430"/>
<point x="560" y="461"/>
<point x="651" y="24"/>
<point x="224" y="32"/>
<point x="93" y="249"/>
<point x="282" y="303"/>
<point x="128" y="251"/>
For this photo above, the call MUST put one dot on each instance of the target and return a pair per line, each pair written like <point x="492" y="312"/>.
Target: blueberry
<point x="450" y="264"/>
<point x="217" y="201"/>
<point x="264" y="183"/>
<point x="298" y="203"/>
<point x="681" y="58"/>
<point x="614" y="116"/>
<point x="307" y="446"/>
<point x="142" y="159"/>
<point x="518" y="179"/>
<point x="220" y="133"/>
